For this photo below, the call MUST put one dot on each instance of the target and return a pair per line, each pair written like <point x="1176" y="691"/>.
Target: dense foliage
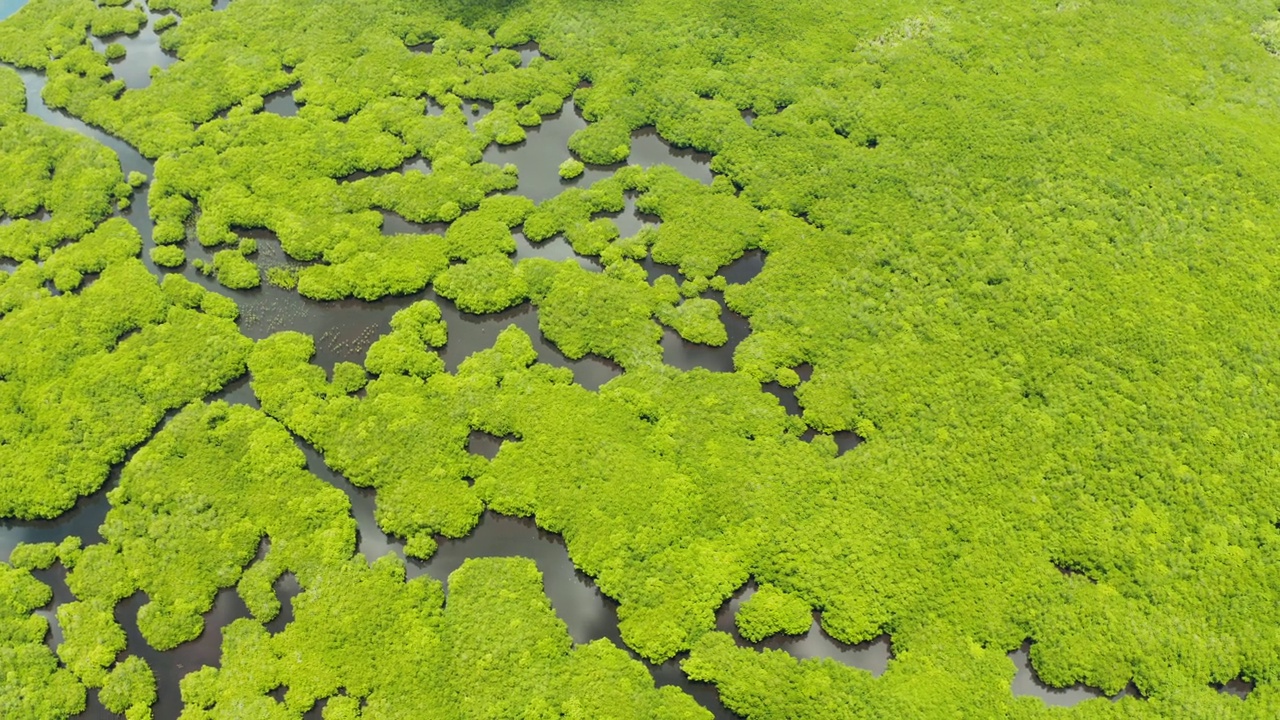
<point x="87" y="372"/>
<point x="34" y="685"/>
<point x="411" y="403"/>
<point x="71" y="178"/>
<point x="496" y="649"/>
<point x="1024" y="249"/>
<point x="191" y="511"/>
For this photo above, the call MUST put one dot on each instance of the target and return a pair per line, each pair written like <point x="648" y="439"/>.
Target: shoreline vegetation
<point x="1023" y="253"/>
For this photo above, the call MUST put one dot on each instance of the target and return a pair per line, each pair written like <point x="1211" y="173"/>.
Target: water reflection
<point x="396" y="224"/>
<point x="648" y="149"/>
<point x="786" y="397"/>
<point x="483" y="444"/>
<point x="287" y="588"/>
<point x="557" y="249"/>
<point x="56" y="578"/>
<point x="539" y="156"/>
<point x="528" y="51"/>
<point x="281" y="102"/>
<point x="473" y="110"/>
<point x="469" y="333"/>
<point x="631" y="221"/>
<point x="745" y="268"/>
<point x="1236" y="686"/>
<point x="680" y="353"/>
<point x="142" y="55"/>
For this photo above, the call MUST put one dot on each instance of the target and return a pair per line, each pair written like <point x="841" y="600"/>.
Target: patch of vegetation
<point x="411" y="403"/>
<point x="495" y="642"/>
<point x="226" y="478"/>
<point x="234" y="270"/>
<point x="570" y="169"/>
<point x="89" y="372"/>
<point x="35" y="685"/>
<point x="73" y="179"/>
<point x="168" y="256"/>
<point x="772" y="610"/>
<point x="221" y="481"/>
<point x="98" y="371"/>
<point x="485" y="284"/>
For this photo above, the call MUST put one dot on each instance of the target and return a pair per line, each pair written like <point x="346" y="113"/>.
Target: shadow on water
<point x="872" y="656"/>
<point x="1027" y="682"/>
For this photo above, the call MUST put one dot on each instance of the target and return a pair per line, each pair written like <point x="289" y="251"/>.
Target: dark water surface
<point x="345" y="329"/>
<point x="142" y="55"/>
<point x="539" y="156"/>
<point x="1027" y="682"/>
